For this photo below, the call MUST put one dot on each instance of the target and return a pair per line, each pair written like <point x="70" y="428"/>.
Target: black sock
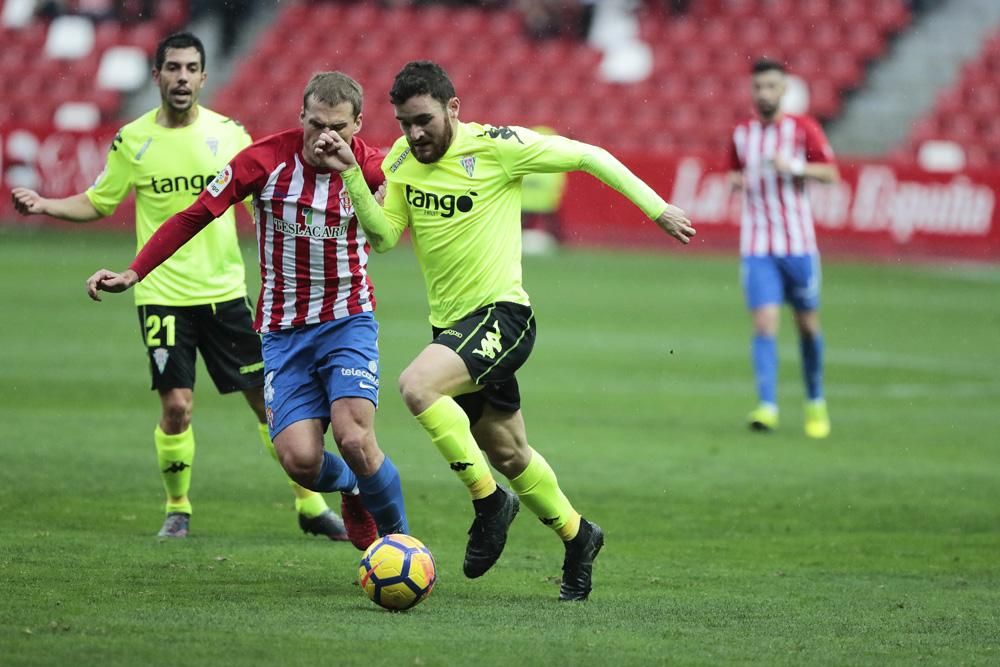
<point x="491" y="503"/>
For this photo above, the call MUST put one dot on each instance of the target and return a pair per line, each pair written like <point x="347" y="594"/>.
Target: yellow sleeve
<point x="383" y="225"/>
<point x="115" y="182"/>
<point x="522" y="151"/>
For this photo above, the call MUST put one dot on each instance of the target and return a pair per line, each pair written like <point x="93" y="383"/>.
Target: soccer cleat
<point x="578" y="566"/>
<point x="175" y="525"/>
<point x="327" y="523"/>
<point x="360" y="524"/>
<point x="817" y="423"/>
<point x="488" y="535"/>
<point x="763" y="418"/>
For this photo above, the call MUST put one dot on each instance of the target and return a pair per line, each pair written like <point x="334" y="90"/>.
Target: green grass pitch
<point x="880" y="545"/>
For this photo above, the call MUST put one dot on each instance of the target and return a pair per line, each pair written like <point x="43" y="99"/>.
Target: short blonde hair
<point x="334" y="88"/>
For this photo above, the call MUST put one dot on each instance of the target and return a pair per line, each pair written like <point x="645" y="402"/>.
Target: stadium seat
<point x="77" y="116"/>
<point x="123" y="68"/>
<point x="698" y="83"/>
<point x="69" y="37"/>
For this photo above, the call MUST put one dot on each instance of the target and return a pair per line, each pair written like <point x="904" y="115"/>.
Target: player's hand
<point x="333" y="152"/>
<point x="780" y="165"/>
<point x="27" y="202"/>
<point x="109" y="281"/>
<point x="380" y="195"/>
<point x="674" y="222"/>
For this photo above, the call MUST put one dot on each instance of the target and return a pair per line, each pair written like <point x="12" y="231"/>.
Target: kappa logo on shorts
<point x="490" y="345"/>
<point x="452" y="332"/>
<point x="160" y="356"/>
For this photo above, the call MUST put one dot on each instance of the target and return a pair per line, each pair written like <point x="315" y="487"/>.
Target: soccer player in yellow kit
<point x="457" y="186"/>
<point x="197" y="300"/>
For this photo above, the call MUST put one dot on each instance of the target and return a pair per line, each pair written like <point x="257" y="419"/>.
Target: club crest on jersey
<point x="216" y="187"/>
<point x="160" y="356"/>
<point x="346" y="207"/>
<point x="469" y="163"/>
<point x="213" y="145"/>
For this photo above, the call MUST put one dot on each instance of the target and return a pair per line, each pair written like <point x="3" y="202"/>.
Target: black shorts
<point x="222" y="332"/>
<point x="493" y="342"/>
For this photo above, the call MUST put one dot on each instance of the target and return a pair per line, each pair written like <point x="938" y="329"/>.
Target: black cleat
<point x="488" y="535"/>
<point x="327" y="523"/>
<point x="578" y="565"/>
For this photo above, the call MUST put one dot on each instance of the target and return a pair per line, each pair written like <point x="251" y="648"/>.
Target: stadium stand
<point x="696" y="91"/>
<point x="49" y="66"/>
<point x="967" y="113"/>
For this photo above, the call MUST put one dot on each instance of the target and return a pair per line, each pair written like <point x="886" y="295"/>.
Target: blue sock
<point x="764" y="352"/>
<point x="382" y="495"/>
<point x="812" y="365"/>
<point x="334" y="475"/>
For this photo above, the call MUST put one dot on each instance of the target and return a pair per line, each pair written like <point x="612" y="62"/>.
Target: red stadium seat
<point x="699" y="81"/>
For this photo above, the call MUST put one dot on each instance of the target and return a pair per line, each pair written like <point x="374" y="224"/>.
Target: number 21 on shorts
<point x="155" y="325"/>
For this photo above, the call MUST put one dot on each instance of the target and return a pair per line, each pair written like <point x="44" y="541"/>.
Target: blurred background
<point x="907" y="90"/>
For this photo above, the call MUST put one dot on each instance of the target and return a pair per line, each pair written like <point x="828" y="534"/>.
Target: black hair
<point x="421" y="77"/>
<point x="179" y="40"/>
<point x="762" y="65"/>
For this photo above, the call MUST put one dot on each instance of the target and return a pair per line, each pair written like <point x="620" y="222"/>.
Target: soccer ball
<point x="397" y="572"/>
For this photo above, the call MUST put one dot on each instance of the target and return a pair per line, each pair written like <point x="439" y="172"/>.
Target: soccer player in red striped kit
<point x="771" y="158"/>
<point x="315" y="311"/>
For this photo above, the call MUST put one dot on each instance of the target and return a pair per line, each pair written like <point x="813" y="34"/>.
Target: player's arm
<point x="824" y="172"/>
<point x="232" y="185"/>
<point x="100" y="200"/>
<point x="819" y="163"/>
<point x="76" y="208"/>
<point x="524" y="152"/>
<point x="735" y="175"/>
<point x="384" y="224"/>
<point x="168" y="239"/>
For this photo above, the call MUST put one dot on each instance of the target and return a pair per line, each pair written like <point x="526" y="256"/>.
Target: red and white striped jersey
<point x="777" y="219"/>
<point x="313" y="254"/>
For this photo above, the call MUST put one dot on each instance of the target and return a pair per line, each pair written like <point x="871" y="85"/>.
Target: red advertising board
<point x="878" y="209"/>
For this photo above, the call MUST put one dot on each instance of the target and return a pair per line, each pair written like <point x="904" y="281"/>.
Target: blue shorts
<point x="307" y="368"/>
<point x="776" y="280"/>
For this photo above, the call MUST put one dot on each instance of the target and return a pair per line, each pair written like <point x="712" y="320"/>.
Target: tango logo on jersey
<point x="216" y="187"/>
<point x="490" y="345"/>
<point x="443" y="205"/>
<point x="193" y="184"/>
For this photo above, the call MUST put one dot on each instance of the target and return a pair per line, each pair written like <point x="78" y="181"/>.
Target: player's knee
<point x="509" y="460"/>
<point x="509" y="463"/>
<point x="415" y="390"/>
<point x="176" y="416"/>
<point x="302" y="465"/>
<point x="358" y="448"/>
